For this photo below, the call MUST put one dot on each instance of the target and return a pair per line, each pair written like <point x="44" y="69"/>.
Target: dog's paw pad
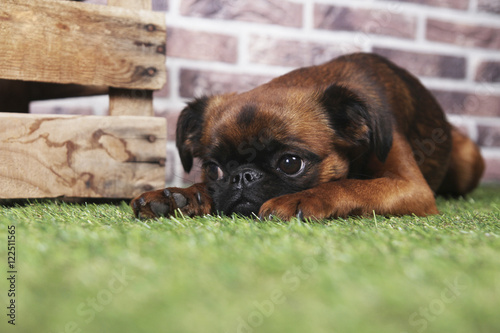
<point x="159" y="208"/>
<point x="180" y="200"/>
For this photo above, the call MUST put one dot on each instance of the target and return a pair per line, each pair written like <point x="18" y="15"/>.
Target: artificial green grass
<point x="94" y="268"/>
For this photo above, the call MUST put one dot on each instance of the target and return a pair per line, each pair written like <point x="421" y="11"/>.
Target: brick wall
<point x="216" y="46"/>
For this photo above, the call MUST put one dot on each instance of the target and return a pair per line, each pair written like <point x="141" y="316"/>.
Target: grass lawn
<point x="94" y="268"/>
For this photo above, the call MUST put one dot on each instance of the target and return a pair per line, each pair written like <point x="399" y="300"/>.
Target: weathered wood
<point x="127" y="102"/>
<point x="80" y="156"/>
<point x="131" y="102"/>
<point x="71" y="42"/>
<point x="132" y="4"/>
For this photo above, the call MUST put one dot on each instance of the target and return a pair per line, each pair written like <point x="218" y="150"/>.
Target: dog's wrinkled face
<point x="265" y="143"/>
<point x="258" y="151"/>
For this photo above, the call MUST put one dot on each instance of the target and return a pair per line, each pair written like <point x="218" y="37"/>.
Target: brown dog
<point x="354" y="136"/>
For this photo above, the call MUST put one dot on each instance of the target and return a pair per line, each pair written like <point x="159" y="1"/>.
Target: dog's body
<point x="354" y="136"/>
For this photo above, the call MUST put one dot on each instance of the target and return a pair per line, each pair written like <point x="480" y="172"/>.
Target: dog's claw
<point x="191" y="201"/>
<point x="263" y="217"/>
<point x="300" y="215"/>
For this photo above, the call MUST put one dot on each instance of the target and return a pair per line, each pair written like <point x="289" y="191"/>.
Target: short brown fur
<point x="370" y="139"/>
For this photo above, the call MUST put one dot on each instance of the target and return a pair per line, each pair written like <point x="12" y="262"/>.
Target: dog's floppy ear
<point x="356" y="122"/>
<point x="189" y="128"/>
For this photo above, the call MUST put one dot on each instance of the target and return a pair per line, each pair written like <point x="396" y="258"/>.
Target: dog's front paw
<point x="302" y="205"/>
<point x="189" y="201"/>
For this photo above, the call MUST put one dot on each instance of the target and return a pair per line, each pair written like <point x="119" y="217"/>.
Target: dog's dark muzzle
<point x="243" y="192"/>
<point x="244" y="179"/>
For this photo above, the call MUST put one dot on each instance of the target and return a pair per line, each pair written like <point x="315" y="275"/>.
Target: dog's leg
<point x="191" y="201"/>
<point x="398" y="188"/>
<point x="466" y="166"/>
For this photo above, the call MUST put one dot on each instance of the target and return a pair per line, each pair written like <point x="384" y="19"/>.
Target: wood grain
<point x="127" y="102"/>
<point x="132" y="4"/>
<point x="71" y="42"/>
<point x="80" y="156"/>
<point x="124" y="102"/>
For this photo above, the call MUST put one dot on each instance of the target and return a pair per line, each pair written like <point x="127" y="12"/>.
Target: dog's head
<point x="273" y="141"/>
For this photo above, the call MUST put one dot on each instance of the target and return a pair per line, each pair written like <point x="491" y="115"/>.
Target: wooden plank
<point x="126" y="102"/>
<point x="80" y="156"/>
<point x="131" y="102"/>
<point x="71" y="42"/>
<point x="132" y="4"/>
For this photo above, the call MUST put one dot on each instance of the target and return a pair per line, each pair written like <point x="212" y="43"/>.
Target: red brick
<point x="488" y="71"/>
<point x="488" y="136"/>
<point x="463" y="34"/>
<point x="164" y="91"/>
<point x="492" y="172"/>
<point x="280" y="12"/>
<point x="171" y="116"/>
<point x="424" y="64"/>
<point x="160" y="5"/>
<point x="197" y="83"/>
<point x="98" y="2"/>
<point x="194" y="176"/>
<point x="170" y="163"/>
<point x="455" y="4"/>
<point x="79" y="110"/>
<point x="490" y="6"/>
<point x="293" y="53"/>
<point x="378" y="22"/>
<point x="462" y="128"/>
<point x="462" y="103"/>
<point x="200" y="45"/>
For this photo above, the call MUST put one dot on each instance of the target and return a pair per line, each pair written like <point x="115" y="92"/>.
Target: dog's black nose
<point x="245" y="177"/>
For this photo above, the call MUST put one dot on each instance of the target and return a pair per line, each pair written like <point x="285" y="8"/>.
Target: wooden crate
<point x="91" y="48"/>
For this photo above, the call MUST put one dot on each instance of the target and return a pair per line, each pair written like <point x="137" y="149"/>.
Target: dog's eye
<point x="213" y="171"/>
<point x="290" y="164"/>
